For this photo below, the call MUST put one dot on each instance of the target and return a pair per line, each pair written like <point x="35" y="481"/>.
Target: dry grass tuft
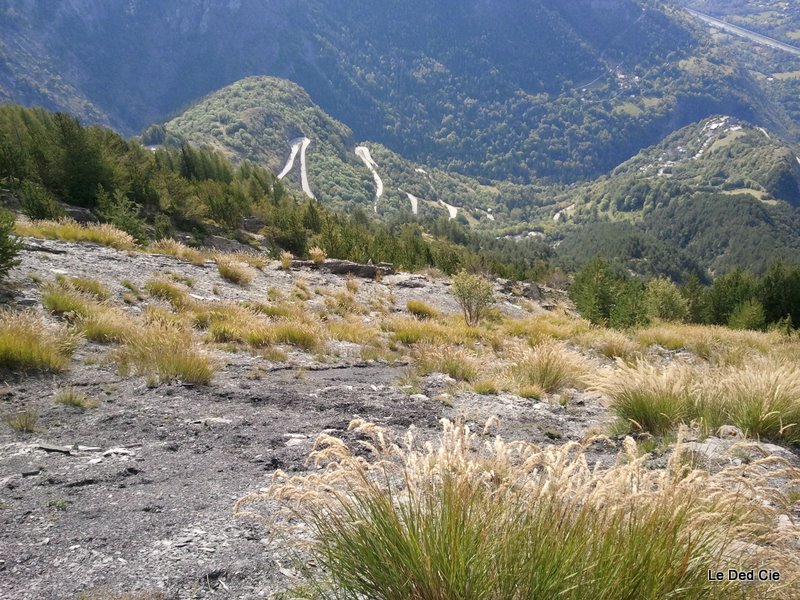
<point x="28" y="344"/>
<point x="165" y="290"/>
<point x="163" y="353"/>
<point x="762" y="398"/>
<point x="286" y="259"/>
<point x="421" y="310"/>
<point x="353" y="330"/>
<point x="23" y="422"/>
<point x="468" y="518"/>
<point x="610" y="343"/>
<point x="90" y="287"/>
<point x="550" y="366"/>
<point x="234" y="271"/>
<point x="454" y="361"/>
<point x="69" y="396"/>
<point x="177" y="249"/>
<point x="547" y="326"/>
<point x="72" y="231"/>
<point x="317" y="255"/>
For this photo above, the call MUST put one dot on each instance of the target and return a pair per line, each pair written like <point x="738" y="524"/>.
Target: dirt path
<point x="363" y="153"/>
<point x="290" y="162"/>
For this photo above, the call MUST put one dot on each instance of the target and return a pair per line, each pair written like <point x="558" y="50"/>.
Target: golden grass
<point x="71" y="397"/>
<point x="179" y="250"/>
<point x="454" y="361"/>
<point x="421" y="310"/>
<point x="718" y="344"/>
<point x="515" y="520"/>
<point x="165" y="290"/>
<point x="550" y="366"/>
<point x="72" y="231"/>
<point x="317" y="255"/>
<point x="234" y="271"/>
<point x="89" y="286"/>
<point x="609" y="343"/>
<point x="353" y="330"/>
<point x="286" y="259"/>
<point x="762" y="398"/>
<point x="547" y="326"/>
<point x="23" y="422"/>
<point x="28" y="344"/>
<point x="163" y="353"/>
<point x="343" y="303"/>
<point x="106" y="324"/>
<point x="409" y="331"/>
<point x="61" y="300"/>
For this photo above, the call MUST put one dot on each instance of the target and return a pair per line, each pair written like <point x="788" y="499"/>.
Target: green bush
<point x="664" y="301"/>
<point x="474" y="294"/>
<point x="38" y="203"/>
<point x="747" y="315"/>
<point x="9" y="245"/>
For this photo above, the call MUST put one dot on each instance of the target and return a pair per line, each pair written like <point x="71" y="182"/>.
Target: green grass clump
<point x="421" y="310"/>
<point x="159" y="288"/>
<point x="90" y="287"/>
<point x="69" y="396"/>
<point x="463" y="519"/>
<point x="486" y="387"/>
<point x="164" y="353"/>
<point x="28" y="344"/>
<point x="300" y="335"/>
<point x="23" y="422"/>
<point x="62" y="300"/>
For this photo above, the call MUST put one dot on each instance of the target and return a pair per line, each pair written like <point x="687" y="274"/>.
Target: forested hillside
<point x="511" y="90"/>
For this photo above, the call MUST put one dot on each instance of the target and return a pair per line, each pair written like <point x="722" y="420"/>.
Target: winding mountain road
<point x="758" y="38"/>
<point x="363" y="153"/>
<point x="299" y="145"/>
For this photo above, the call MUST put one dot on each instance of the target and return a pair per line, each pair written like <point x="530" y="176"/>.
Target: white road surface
<point x="363" y="153"/>
<point x="299" y="145"/>
<point x="452" y="210"/>
<point x="415" y="201"/>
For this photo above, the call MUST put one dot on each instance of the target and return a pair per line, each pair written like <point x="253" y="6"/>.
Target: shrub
<point x="9" y="245"/>
<point x="474" y="294"/>
<point x="748" y="315"/>
<point x="663" y="300"/>
<point x="421" y="310"/>
<point x="26" y="343"/>
<point x="233" y="271"/>
<point x="466" y="519"/>
<point x="38" y="203"/>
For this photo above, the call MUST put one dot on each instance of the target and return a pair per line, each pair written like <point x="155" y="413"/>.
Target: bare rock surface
<point x="136" y="495"/>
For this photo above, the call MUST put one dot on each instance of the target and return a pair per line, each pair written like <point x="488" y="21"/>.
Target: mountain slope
<point x="502" y="89"/>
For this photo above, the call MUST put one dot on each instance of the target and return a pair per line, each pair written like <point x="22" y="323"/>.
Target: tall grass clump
<point x="421" y="310"/>
<point x="28" y="344"/>
<point x="451" y="360"/>
<point x="652" y="398"/>
<point x="72" y="231"/>
<point x="164" y="290"/>
<point x="549" y="367"/>
<point x="164" y="353"/>
<point x="470" y="520"/>
<point x="61" y="299"/>
<point x="177" y="249"/>
<point x="234" y="271"/>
